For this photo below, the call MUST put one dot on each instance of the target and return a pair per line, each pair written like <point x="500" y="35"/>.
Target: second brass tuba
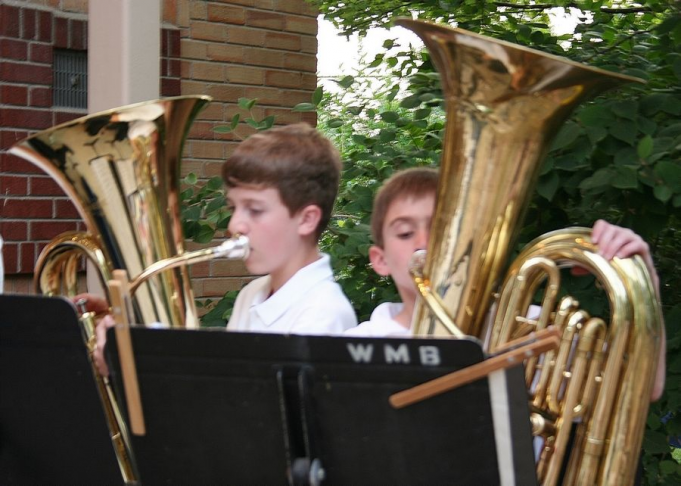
<point x="121" y="170"/>
<point x="504" y="104"/>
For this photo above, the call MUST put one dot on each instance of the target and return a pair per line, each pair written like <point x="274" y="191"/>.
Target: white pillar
<point x="124" y="50"/>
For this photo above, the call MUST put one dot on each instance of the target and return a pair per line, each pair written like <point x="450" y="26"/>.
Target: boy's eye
<point x="405" y="235"/>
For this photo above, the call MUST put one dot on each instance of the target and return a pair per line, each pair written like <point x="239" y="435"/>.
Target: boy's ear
<point x="308" y="219"/>
<point x="377" y="259"/>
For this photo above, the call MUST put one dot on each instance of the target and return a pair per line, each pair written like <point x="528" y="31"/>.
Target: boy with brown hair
<point x="400" y="225"/>
<point x="281" y="188"/>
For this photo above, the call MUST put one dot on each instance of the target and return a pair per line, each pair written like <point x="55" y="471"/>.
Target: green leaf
<point x="422" y="113"/>
<point x="317" y="95"/>
<point x="192" y="213"/>
<point x="190" y="179"/>
<point x="334" y="123"/>
<point x="670" y="173"/>
<point x="626" y="109"/>
<point x="410" y="102"/>
<point x="246" y="103"/>
<point x="624" y="130"/>
<point x="566" y="136"/>
<point x="389" y="116"/>
<point x="214" y="184"/>
<point x="548" y="185"/>
<point x="625" y="178"/>
<point x="595" y="116"/>
<point x="205" y="233"/>
<point x="662" y="193"/>
<point x="222" y="129"/>
<point x="645" y="147"/>
<point x="266" y="123"/>
<point x="304" y="107"/>
<point x="346" y="81"/>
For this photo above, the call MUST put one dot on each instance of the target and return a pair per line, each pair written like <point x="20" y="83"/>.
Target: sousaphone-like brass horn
<point x="504" y="105"/>
<point x="121" y="169"/>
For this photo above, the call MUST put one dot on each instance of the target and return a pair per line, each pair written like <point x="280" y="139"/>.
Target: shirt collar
<point x="272" y="308"/>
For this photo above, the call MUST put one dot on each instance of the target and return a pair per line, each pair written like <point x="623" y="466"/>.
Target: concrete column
<point x="124" y="49"/>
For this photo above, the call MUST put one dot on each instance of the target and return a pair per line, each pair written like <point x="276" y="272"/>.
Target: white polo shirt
<point x="382" y="323"/>
<point x="311" y="302"/>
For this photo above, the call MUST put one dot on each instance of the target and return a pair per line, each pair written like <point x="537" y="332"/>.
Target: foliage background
<point x="616" y="159"/>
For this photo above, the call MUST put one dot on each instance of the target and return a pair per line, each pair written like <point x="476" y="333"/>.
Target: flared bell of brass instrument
<point x="504" y="105"/>
<point x="121" y="170"/>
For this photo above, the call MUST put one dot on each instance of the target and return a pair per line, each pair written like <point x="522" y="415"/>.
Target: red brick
<point x="15" y="231"/>
<point x="28" y="257"/>
<point x="10" y="254"/>
<point x="10" y="137"/>
<point x="300" y="62"/>
<point x="208" y="31"/>
<point x="41" y="97"/>
<point x="265" y="20"/>
<point x="45" y="186"/>
<point x="173" y="43"/>
<point x="77" y="34"/>
<point x="302" y="25"/>
<point x="13" y="164"/>
<point x="64" y="209"/>
<point x="25" y="208"/>
<point x="25" y="118"/>
<point x="46" y="230"/>
<point x="14" y="49"/>
<point x="264" y="57"/>
<point x="302" y="8"/>
<point x="25" y="73"/>
<point x="13" y="95"/>
<point x="288" y="42"/>
<point x="164" y="42"/>
<point x="226" y="14"/>
<point x="225" y="53"/>
<point x="171" y="87"/>
<point x="13" y="186"/>
<point x="45" y="26"/>
<point x="174" y="68"/>
<point x="29" y="30"/>
<point x="246" y="36"/>
<point x="283" y="79"/>
<point x="41" y="53"/>
<point x="9" y="21"/>
<point x="61" y="32"/>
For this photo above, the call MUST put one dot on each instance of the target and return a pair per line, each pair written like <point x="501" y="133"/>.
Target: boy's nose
<point x="236" y="225"/>
<point x="421" y="240"/>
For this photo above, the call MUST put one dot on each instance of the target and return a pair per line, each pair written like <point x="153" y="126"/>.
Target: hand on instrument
<point x="98" y="354"/>
<point x="99" y="305"/>
<point x="615" y="241"/>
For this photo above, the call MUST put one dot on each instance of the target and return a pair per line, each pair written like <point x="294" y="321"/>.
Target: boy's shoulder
<point x="381" y="324"/>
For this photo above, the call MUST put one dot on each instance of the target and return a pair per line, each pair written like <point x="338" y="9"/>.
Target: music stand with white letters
<point x="243" y="408"/>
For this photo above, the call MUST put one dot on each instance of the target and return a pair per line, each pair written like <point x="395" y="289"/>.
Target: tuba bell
<point x="504" y="104"/>
<point x="121" y="170"/>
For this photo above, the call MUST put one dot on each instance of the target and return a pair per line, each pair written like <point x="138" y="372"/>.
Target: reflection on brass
<point x="121" y="170"/>
<point x="505" y="103"/>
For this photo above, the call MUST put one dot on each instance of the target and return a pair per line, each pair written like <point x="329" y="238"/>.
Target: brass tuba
<point x="504" y="104"/>
<point x="121" y="169"/>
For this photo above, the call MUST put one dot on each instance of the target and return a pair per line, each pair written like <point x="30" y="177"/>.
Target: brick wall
<point x="264" y="49"/>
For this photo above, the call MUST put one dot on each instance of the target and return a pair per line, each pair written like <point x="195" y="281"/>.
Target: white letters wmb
<point x="363" y="353"/>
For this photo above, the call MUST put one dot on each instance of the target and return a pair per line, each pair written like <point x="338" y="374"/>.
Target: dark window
<point x="70" y="78"/>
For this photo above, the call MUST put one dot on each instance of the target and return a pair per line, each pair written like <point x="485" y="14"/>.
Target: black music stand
<point x="52" y="426"/>
<point x="243" y="408"/>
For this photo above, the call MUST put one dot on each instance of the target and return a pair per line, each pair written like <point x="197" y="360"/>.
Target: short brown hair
<point x="295" y="159"/>
<point x="416" y="182"/>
